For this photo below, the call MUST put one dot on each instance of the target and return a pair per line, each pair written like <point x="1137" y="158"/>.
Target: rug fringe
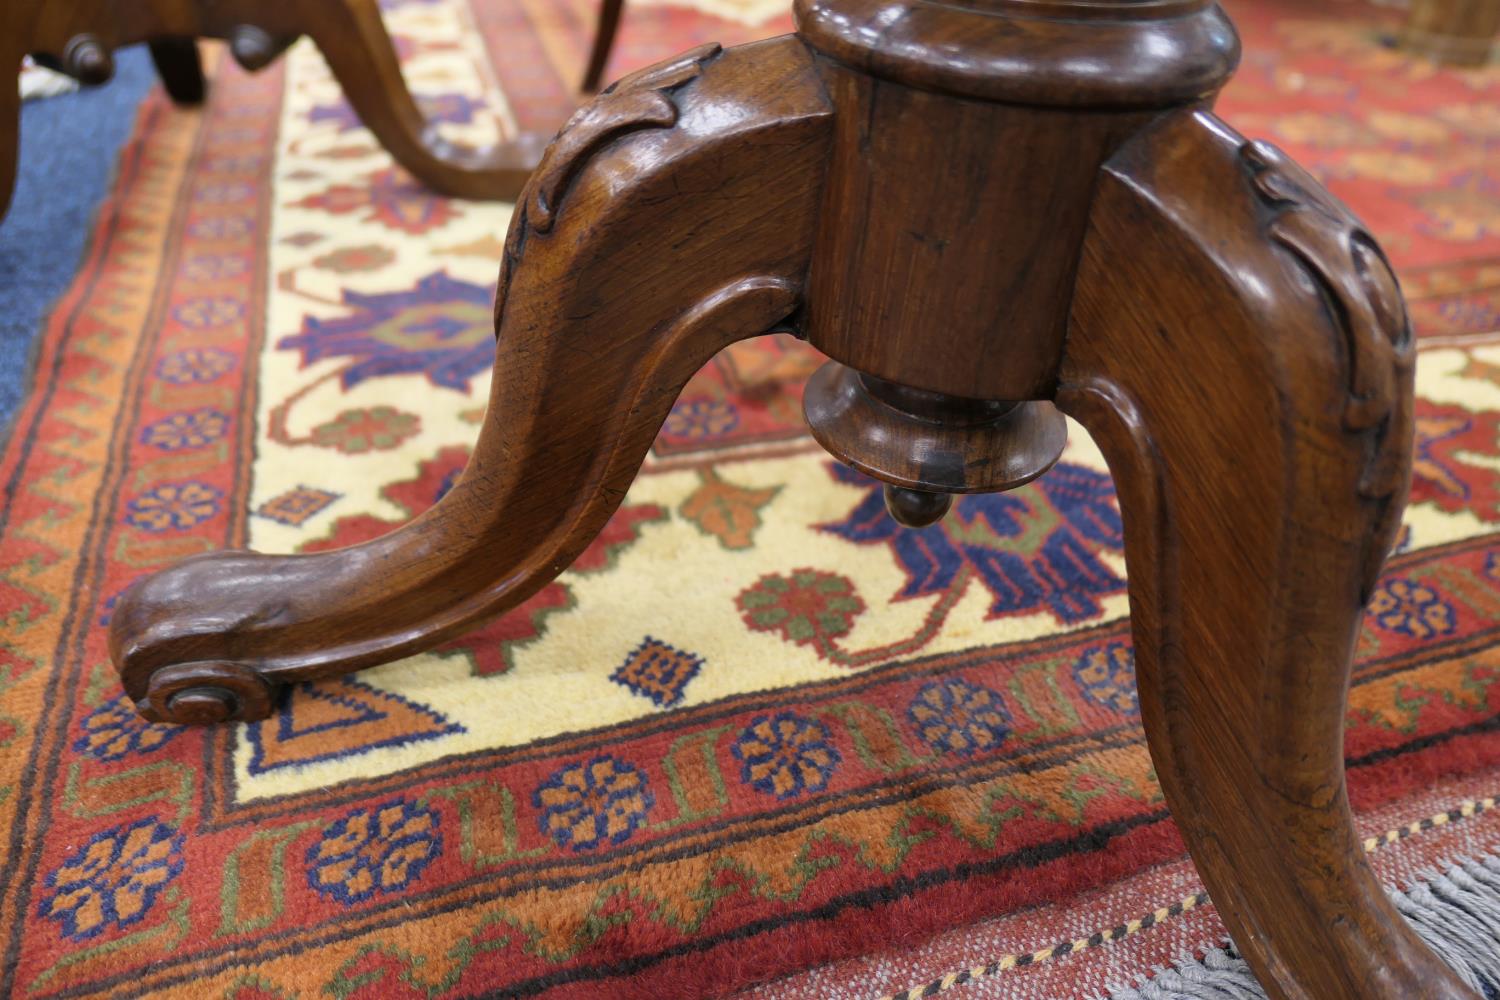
<point x="1456" y="911"/>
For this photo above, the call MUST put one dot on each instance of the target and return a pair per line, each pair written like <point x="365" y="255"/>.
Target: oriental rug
<point x="815" y="737"/>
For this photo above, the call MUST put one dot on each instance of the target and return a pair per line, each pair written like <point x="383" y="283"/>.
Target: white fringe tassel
<point x="1457" y="912"/>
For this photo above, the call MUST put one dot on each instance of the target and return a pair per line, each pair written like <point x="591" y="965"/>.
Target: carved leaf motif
<point x="1353" y="275"/>
<point x="634" y="102"/>
<point x="596" y="124"/>
<point x="728" y="512"/>
<point x="669" y="73"/>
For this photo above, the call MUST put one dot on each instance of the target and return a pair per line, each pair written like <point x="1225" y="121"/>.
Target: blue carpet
<point x="69" y="146"/>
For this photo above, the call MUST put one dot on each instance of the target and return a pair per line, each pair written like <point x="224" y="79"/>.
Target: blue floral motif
<point x="220" y="193"/>
<point x="953" y="716"/>
<point x="173" y="506"/>
<point x="214" y="267"/>
<point x="593" y="802"/>
<point x="382" y="849"/>
<point x="786" y="755"/>
<point x="114" y="731"/>
<point x="1034" y="549"/>
<point x="221" y="227"/>
<point x="701" y="418"/>
<point x="1403" y="605"/>
<point x="235" y="164"/>
<point x="190" y="429"/>
<point x="196" y="364"/>
<point x="1106" y="676"/>
<point x="206" y="312"/>
<point x="113" y="880"/>
<point x="442" y="328"/>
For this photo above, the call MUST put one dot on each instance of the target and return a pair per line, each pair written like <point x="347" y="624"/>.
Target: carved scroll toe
<point x="192" y="668"/>
<point x="201" y="694"/>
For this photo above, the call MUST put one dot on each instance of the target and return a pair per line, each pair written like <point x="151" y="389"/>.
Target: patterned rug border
<point x="141" y="163"/>
<point x="960" y="977"/>
<point x="55" y="348"/>
<point x="220" y="770"/>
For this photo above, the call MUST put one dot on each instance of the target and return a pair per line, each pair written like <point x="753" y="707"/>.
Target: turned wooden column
<point x="967" y="144"/>
<point x="987" y="213"/>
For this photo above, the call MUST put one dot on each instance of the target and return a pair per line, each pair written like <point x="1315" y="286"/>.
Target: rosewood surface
<point x="985" y="212"/>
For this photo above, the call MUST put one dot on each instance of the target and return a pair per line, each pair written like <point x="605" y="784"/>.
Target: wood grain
<point x="1239" y="352"/>
<point x="604" y="313"/>
<point x="975" y="207"/>
<point x="919" y="440"/>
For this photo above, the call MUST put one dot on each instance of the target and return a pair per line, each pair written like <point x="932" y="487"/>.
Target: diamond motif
<point x="297" y="505"/>
<point x="657" y="671"/>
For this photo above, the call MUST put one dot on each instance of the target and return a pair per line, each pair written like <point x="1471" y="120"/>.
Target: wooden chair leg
<point x="1239" y="348"/>
<point x="10" y="129"/>
<point x="590" y="358"/>
<point x="604" y="43"/>
<point x="180" y="68"/>
<point x="359" y="51"/>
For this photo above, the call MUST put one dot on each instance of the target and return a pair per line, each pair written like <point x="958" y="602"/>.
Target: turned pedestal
<point x="988" y="213"/>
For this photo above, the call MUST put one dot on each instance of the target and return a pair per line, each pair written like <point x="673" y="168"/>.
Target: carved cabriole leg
<point x="1239" y="349"/>
<point x="353" y="38"/>
<point x="604" y="42"/>
<point x="646" y="241"/>
<point x="10" y="133"/>
<point x="13" y="32"/>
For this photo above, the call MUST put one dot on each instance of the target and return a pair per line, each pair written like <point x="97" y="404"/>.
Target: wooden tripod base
<point x="962" y="203"/>
<point x="78" y="39"/>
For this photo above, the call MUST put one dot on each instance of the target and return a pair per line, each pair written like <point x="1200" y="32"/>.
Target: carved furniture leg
<point x="604" y="43"/>
<point x="354" y="40"/>
<point x="10" y="118"/>
<point x="1240" y="351"/>
<point x="616" y="288"/>
<point x="180" y="68"/>
<point x="1228" y="333"/>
